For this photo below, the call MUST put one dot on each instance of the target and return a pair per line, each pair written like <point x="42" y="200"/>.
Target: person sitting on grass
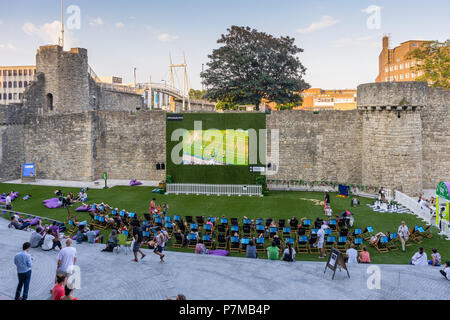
<point x="19" y="225"/>
<point x="200" y="247"/>
<point x="446" y="271"/>
<point x="289" y="253"/>
<point x="364" y="255"/>
<point x="272" y="251"/>
<point x="251" y="250"/>
<point x="36" y="237"/>
<point x="113" y="241"/>
<point x="419" y="258"/>
<point x="81" y="234"/>
<point x="68" y="293"/>
<point x="435" y="258"/>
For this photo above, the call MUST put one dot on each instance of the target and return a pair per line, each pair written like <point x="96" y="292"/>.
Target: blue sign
<point x="29" y="170"/>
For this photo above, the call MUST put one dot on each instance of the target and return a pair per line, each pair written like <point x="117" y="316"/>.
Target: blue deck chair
<point x="234" y="228"/>
<point x="176" y="218"/>
<point x="342" y="243"/>
<point x="244" y="244"/>
<point x="192" y="241"/>
<point x="329" y="243"/>
<point x="286" y="232"/>
<point x="302" y="244"/>
<point x="207" y="241"/>
<point x="193" y="227"/>
<point x="272" y="232"/>
<point x="234" y="244"/>
<point x="259" y="229"/>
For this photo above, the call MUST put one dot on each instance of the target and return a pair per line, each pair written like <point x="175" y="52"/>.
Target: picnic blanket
<point x="83" y="209"/>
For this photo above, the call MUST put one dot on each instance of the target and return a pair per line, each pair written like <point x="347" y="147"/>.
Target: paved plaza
<point x="113" y="276"/>
<point x="97" y="184"/>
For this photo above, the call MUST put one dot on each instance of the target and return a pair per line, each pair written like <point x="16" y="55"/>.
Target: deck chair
<point x="381" y="246"/>
<point x="286" y="232"/>
<point x="311" y="241"/>
<point x="246" y="230"/>
<point x="147" y="217"/>
<point x="158" y="221"/>
<point x="189" y="220"/>
<point x="234" y="222"/>
<point x="207" y="229"/>
<point x="224" y="222"/>
<point x="169" y="227"/>
<point x="306" y="224"/>
<point x="332" y="225"/>
<point x="234" y="229"/>
<point x="221" y="229"/>
<point x="191" y="241"/>
<point x="244" y="244"/>
<point x="207" y="241"/>
<point x="302" y="244"/>
<point x="176" y="219"/>
<point x="329" y="243"/>
<point x="341" y="224"/>
<point x="259" y="221"/>
<point x="193" y="227"/>
<point x="259" y="228"/>
<point x="415" y="235"/>
<point x="123" y="242"/>
<point x="246" y="222"/>
<point x="221" y="242"/>
<point x="178" y="240"/>
<point x="356" y="233"/>
<point x="281" y="224"/>
<point x="301" y="232"/>
<point x="200" y="220"/>
<point x="357" y="242"/>
<point x="367" y="233"/>
<point x="391" y="244"/>
<point x="259" y="242"/>
<point x="72" y="228"/>
<point x="268" y="222"/>
<point x="272" y="232"/>
<point x="234" y="244"/>
<point x="289" y="240"/>
<point x="293" y="223"/>
<point x="342" y="243"/>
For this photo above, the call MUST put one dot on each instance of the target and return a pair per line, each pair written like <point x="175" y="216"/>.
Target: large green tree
<point x="251" y="66"/>
<point x="434" y="57"/>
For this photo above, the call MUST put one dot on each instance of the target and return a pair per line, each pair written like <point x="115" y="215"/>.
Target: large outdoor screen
<point x="215" y="147"/>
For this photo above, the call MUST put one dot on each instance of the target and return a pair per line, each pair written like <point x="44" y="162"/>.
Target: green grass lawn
<point x="276" y="205"/>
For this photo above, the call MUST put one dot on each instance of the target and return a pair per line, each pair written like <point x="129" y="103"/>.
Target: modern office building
<point x="395" y="65"/>
<point x="13" y="81"/>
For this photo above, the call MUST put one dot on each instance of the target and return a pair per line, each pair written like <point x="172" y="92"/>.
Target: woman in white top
<point x="48" y="242"/>
<point x="419" y="258"/>
<point x="289" y="253"/>
<point x="403" y="234"/>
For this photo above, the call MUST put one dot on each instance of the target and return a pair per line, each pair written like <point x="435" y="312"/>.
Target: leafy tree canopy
<point x="252" y="65"/>
<point x="434" y="57"/>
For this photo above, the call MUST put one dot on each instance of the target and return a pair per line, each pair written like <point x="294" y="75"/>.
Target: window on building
<point x="15" y="96"/>
<point x="9" y="84"/>
<point x="401" y="66"/>
<point x="25" y="72"/>
<point x="419" y="73"/>
<point x="20" y="72"/>
<point x="406" y="75"/>
<point x="407" y="65"/>
<point x="20" y="96"/>
<point x="9" y="73"/>
<point x="15" y="84"/>
<point x="50" y="101"/>
<point x="395" y="67"/>
<point x="34" y="71"/>
<point x="395" y="78"/>
<point x="386" y="79"/>
<point x="1" y="96"/>
<point x="398" y="59"/>
<point x="413" y="75"/>
<point x="4" y="96"/>
<point x="391" y="68"/>
<point x="20" y="84"/>
<point x="385" y="69"/>
<point x="10" y="96"/>
<point x="413" y="63"/>
<point x="15" y="72"/>
<point x="5" y="84"/>
<point x="401" y="77"/>
<point x="25" y="84"/>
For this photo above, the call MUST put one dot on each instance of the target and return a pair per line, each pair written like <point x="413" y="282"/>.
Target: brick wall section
<point x="119" y="101"/>
<point x="324" y="146"/>
<point x="436" y="138"/>
<point x="128" y="145"/>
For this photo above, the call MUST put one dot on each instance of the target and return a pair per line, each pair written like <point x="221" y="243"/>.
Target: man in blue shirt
<point x="22" y="260"/>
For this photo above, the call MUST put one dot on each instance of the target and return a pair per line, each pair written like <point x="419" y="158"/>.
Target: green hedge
<point x="217" y="174"/>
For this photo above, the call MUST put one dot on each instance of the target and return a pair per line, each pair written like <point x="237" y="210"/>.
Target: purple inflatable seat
<point x="219" y="252"/>
<point x="135" y="182"/>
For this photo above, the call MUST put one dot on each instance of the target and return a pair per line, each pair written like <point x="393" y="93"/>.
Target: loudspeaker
<point x="158" y="166"/>
<point x="163" y="166"/>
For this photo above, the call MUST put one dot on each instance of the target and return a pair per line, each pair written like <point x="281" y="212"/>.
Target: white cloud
<point x="49" y="33"/>
<point x="95" y="21"/>
<point x="1" y="22"/>
<point x="119" y="25"/>
<point x="366" y="41"/>
<point x="165" y="37"/>
<point x="8" y="46"/>
<point x="162" y="36"/>
<point x="325" y="22"/>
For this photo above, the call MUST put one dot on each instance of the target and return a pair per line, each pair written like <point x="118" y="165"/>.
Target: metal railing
<point x="214" y="189"/>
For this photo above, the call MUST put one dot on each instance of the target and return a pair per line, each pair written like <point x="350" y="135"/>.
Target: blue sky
<point x="340" y="50"/>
